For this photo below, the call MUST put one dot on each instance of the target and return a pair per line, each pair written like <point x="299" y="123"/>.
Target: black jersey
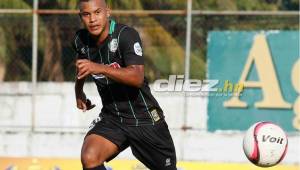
<point x="123" y="47"/>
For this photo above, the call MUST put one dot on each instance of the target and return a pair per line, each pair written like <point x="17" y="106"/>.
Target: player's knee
<point x="91" y="159"/>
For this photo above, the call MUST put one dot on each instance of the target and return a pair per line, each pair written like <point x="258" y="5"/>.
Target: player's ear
<point x="79" y="14"/>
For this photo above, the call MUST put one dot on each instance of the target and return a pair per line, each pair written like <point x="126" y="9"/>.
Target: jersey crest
<point x="113" y="45"/>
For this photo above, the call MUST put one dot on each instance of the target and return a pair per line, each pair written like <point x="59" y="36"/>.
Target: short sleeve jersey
<point x="122" y="48"/>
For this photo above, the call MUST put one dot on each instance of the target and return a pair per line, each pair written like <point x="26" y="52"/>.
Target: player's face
<point x="94" y="15"/>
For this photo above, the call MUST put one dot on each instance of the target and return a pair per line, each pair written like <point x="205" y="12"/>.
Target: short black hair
<point x="89" y="0"/>
<point x="79" y="1"/>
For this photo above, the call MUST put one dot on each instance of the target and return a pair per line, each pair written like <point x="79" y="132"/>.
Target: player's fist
<point x="83" y="103"/>
<point x="89" y="105"/>
<point x="87" y="67"/>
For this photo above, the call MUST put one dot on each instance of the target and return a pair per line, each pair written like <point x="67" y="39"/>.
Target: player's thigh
<point x="153" y="146"/>
<point x="104" y="140"/>
<point x="96" y="148"/>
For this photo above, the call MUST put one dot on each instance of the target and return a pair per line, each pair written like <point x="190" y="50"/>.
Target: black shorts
<point x="150" y="144"/>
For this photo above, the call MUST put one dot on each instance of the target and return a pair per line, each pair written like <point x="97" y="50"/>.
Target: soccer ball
<point x="265" y="144"/>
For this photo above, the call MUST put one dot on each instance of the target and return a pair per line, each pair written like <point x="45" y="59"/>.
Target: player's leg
<point x="95" y="150"/>
<point x="153" y="146"/>
<point x="102" y="143"/>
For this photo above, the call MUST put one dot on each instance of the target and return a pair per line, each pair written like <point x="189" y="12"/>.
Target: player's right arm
<point x="81" y="100"/>
<point x="80" y="95"/>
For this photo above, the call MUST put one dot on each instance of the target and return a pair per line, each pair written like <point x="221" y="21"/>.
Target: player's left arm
<point x="131" y="51"/>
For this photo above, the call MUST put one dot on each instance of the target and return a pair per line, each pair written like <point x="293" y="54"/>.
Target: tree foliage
<point x="163" y="36"/>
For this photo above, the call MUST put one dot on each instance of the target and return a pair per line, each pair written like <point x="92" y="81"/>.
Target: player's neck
<point x="102" y="37"/>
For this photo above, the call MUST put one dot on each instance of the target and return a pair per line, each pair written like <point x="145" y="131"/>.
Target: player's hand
<point x="87" y="67"/>
<point x="89" y="105"/>
<point x="83" y="103"/>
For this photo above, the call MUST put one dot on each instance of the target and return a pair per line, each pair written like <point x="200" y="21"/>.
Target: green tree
<point x="11" y="37"/>
<point x="163" y="36"/>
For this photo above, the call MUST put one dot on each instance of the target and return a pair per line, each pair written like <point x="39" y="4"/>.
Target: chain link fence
<point x="163" y="39"/>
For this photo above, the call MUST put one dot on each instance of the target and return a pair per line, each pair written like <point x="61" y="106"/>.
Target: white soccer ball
<point x="265" y="144"/>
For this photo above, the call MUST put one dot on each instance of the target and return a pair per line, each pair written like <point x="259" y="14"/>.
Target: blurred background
<point x="39" y="122"/>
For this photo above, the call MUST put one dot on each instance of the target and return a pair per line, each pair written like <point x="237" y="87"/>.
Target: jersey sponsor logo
<point x="98" y="76"/>
<point x="138" y="49"/>
<point x="115" y="65"/>
<point x="113" y="45"/>
<point x="101" y="76"/>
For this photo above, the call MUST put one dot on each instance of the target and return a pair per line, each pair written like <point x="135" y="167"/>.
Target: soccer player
<point x="131" y="117"/>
